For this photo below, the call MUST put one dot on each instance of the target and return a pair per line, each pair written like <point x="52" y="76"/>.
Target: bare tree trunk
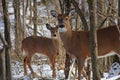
<point x="17" y="27"/>
<point x="2" y="60"/>
<point x="26" y="7"/>
<point x="61" y="6"/>
<point x="30" y="21"/>
<point x="68" y="58"/>
<point x="23" y="18"/>
<point x="67" y="6"/>
<point x="100" y="11"/>
<point x="118" y="12"/>
<point x="83" y="6"/>
<point x="35" y="16"/>
<point x="7" y="38"/>
<point x="93" y="40"/>
<point x="100" y="17"/>
<point x="2" y="65"/>
<point x="111" y="12"/>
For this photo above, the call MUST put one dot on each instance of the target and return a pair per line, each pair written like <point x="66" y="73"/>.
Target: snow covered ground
<point x="114" y="72"/>
<point x="44" y="72"/>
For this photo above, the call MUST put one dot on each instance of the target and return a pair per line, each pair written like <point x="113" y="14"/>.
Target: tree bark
<point x="68" y="58"/>
<point x="93" y="40"/>
<point x="30" y="21"/>
<point x="2" y="60"/>
<point x="100" y="11"/>
<point x="2" y="65"/>
<point x="23" y="18"/>
<point x="18" y="27"/>
<point x="7" y="38"/>
<point x="35" y="16"/>
<point x="61" y="6"/>
<point x="118" y="12"/>
<point x="83" y="6"/>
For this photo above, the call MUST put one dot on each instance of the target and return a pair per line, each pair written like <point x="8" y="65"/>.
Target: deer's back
<point x="38" y="44"/>
<point x="79" y="43"/>
<point x="108" y="40"/>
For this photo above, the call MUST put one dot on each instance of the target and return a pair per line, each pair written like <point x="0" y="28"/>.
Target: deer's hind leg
<point x="53" y="66"/>
<point x="28" y="60"/>
<point x="25" y="66"/>
<point x="81" y="68"/>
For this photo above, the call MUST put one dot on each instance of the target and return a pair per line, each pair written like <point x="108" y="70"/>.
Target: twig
<point x="71" y="67"/>
<point x="102" y="23"/>
<point x="80" y="14"/>
<point x="32" y="29"/>
<point x="116" y="25"/>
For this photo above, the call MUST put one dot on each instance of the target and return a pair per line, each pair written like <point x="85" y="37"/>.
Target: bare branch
<point x="33" y="29"/>
<point x="102" y="23"/>
<point x="80" y="14"/>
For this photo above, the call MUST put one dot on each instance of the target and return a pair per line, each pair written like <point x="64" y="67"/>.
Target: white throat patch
<point x="62" y="29"/>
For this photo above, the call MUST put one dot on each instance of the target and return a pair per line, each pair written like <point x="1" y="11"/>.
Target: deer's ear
<point x="54" y="13"/>
<point x="48" y="26"/>
<point x="72" y="13"/>
<point x="57" y="27"/>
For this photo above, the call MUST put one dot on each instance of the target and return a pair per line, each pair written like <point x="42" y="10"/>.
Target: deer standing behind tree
<point x="77" y="43"/>
<point x="42" y="45"/>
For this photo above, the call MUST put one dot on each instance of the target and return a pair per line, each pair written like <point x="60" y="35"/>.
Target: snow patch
<point x="114" y="70"/>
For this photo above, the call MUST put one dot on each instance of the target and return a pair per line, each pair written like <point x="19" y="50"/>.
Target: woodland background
<point x="22" y="18"/>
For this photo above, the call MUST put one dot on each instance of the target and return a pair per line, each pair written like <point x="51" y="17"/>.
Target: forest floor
<point x="43" y="70"/>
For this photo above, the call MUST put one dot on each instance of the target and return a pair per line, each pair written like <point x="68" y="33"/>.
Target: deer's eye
<point x="59" y="19"/>
<point x="66" y="18"/>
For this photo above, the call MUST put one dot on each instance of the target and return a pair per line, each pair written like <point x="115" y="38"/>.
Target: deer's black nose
<point x="54" y="35"/>
<point x="62" y="26"/>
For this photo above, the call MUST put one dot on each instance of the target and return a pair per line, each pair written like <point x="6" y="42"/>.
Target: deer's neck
<point x="57" y="42"/>
<point x="66" y="36"/>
